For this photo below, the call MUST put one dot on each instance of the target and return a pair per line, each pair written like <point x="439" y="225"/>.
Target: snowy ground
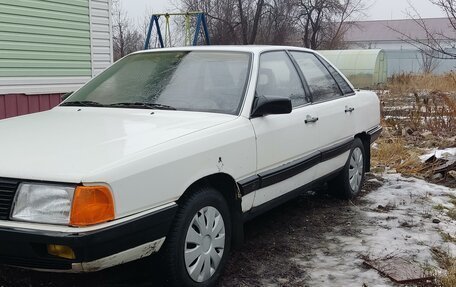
<point x="394" y="221"/>
<point x="314" y="240"/>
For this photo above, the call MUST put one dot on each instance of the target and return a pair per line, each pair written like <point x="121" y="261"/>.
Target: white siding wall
<point x="101" y="35"/>
<point x="97" y="49"/>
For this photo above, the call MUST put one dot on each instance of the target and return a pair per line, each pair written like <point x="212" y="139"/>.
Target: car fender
<point x="160" y="175"/>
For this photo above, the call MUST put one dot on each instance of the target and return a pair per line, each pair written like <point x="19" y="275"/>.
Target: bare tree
<point x="324" y="22"/>
<point x="313" y="23"/>
<point x="279" y="23"/>
<point x="246" y="22"/>
<point x="436" y="43"/>
<point x="222" y="28"/>
<point x="348" y="12"/>
<point x="126" y="39"/>
<point x="428" y="61"/>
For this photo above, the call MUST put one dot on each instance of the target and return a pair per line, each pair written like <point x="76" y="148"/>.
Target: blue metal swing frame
<point x="200" y="22"/>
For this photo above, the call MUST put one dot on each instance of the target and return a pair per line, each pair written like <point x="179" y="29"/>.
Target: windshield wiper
<point x="82" y="103"/>
<point x="140" y="105"/>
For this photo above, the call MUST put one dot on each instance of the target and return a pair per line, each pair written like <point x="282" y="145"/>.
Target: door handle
<point x="349" y="110"/>
<point x="310" y="119"/>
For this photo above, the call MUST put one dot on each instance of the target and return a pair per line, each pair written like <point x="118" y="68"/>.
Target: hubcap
<point x="355" y="173"/>
<point x="204" y="244"/>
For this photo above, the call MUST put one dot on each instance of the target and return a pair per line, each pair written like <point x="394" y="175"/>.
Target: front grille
<point x="8" y="190"/>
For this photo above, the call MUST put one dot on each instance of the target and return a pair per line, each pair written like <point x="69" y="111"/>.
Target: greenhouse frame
<point x="364" y="68"/>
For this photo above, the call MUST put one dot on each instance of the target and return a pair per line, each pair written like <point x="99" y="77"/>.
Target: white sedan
<point x="172" y="150"/>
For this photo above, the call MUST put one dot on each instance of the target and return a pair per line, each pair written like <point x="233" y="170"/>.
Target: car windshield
<point x="191" y="81"/>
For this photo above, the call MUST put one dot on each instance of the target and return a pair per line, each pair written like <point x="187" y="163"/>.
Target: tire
<point x="194" y="255"/>
<point x="349" y="181"/>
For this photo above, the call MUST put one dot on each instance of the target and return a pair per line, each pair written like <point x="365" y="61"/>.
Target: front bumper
<point x="94" y="250"/>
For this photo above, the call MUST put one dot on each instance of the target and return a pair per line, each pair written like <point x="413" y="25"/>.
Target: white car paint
<point x="67" y="144"/>
<point x="150" y="158"/>
<point x="282" y="139"/>
<point x="145" y="158"/>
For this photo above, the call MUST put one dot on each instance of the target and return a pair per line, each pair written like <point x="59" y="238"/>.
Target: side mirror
<point x="65" y="96"/>
<point x="271" y="105"/>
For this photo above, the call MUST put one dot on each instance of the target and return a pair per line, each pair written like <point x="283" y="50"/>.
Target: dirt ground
<point x="315" y="240"/>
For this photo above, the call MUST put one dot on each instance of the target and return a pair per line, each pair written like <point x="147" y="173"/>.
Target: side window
<point x="320" y="81"/>
<point x="278" y="77"/>
<point x="344" y="86"/>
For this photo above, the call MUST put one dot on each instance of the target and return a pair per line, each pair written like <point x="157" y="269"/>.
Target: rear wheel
<point x="349" y="182"/>
<point x="199" y="242"/>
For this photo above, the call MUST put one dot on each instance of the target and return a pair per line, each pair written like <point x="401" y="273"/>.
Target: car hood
<point x="67" y="143"/>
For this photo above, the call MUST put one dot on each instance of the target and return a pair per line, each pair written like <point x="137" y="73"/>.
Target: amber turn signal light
<point x="91" y="205"/>
<point x="61" y="251"/>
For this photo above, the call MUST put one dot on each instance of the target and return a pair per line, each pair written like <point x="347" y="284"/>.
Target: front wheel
<point x="349" y="182"/>
<point x="199" y="242"/>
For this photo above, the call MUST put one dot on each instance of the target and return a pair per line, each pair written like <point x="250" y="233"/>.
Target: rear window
<point x="344" y="86"/>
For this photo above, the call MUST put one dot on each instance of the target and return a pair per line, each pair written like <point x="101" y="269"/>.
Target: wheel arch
<point x="229" y="189"/>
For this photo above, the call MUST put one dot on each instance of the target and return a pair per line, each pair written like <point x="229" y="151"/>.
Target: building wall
<point x="19" y="104"/>
<point x="41" y="41"/>
<point x="101" y="35"/>
<point x="49" y="48"/>
<point x="52" y="46"/>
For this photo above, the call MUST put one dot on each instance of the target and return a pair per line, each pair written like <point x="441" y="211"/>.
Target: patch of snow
<point x="398" y="108"/>
<point x="401" y="227"/>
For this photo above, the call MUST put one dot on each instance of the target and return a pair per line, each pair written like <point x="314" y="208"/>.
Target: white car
<point x="172" y="150"/>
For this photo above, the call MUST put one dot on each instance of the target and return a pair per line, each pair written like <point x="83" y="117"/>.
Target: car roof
<point x="224" y="48"/>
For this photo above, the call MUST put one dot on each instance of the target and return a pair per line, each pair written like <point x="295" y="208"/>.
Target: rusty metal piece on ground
<point x="441" y="166"/>
<point x="450" y="164"/>
<point x="399" y="270"/>
<point x="431" y="159"/>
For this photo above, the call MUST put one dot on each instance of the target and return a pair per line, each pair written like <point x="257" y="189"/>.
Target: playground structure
<point x="162" y="41"/>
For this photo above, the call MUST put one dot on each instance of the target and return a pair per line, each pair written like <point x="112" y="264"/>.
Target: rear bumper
<point x="375" y="133"/>
<point x="94" y="250"/>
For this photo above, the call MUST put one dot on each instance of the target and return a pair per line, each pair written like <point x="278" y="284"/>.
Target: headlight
<point x="43" y="203"/>
<point x="66" y="205"/>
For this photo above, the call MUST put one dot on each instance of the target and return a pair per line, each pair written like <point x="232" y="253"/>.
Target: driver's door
<point x="287" y="145"/>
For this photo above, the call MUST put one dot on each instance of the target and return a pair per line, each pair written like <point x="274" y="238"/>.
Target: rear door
<point x="287" y="146"/>
<point x="334" y="108"/>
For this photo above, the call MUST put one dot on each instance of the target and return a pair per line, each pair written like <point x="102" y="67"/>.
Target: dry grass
<point x="422" y="103"/>
<point x="452" y="214"/>
<point x="419" y="112"/>
<point x="449" y="264"/>
<point x="394" y="154"/>
<point x="410" y="83"/>
<point x="449" y="280"/>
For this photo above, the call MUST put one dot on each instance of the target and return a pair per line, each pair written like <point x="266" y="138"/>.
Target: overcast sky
<point x="380" y="9"/>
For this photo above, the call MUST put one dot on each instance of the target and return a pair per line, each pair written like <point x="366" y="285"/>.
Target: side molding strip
<point x="336" y="150"/>
<point x="278" y="174"/>
<point x="288" y="170"/>
<point x="249" y="184"/>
